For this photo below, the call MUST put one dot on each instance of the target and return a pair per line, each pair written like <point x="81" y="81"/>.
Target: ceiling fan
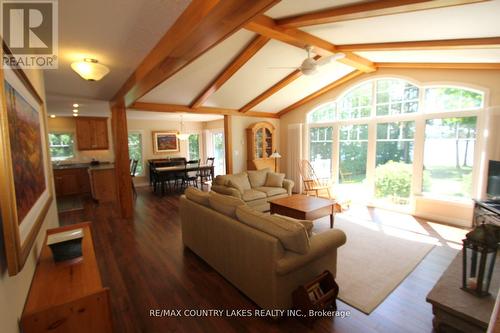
<point x="310" y="66"/>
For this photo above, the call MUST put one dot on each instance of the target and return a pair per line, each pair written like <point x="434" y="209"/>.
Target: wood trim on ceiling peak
<point x="439" y="65"/>
<point x="443" y="44"/>
<point x="160" y="107"/>
<point x="320" y="92"/>
<point x="266" y="26"/>
<point x="367" y="10"/>
<point x="202" y="25"/>
<point x="239" y="61"/>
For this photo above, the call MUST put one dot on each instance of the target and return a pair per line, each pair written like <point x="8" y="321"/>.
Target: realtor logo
<point x="29" y="30"/>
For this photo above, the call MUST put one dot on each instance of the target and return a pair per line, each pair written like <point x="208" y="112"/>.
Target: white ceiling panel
<point x="468" y="21"/>
<point x="185" y="85"/>
<point x="295" y="7"/>
<point x="303" y="86"/>
<point x="257" y="75"/>
<point x="148" y="115"/>
<point x="455" y="56"/>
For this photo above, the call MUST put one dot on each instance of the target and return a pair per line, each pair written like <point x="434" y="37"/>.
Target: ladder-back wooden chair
<point x="313" y="184"/>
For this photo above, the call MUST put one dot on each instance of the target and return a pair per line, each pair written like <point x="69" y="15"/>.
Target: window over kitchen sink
<point x="61" y="145"/>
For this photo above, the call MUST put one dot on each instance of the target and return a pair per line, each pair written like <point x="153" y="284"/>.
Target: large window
<point x="320" y="150"/>
<point x="194" y="147"/>
<point x="353" y="153"/>
<point x="61" y="146"/>
<point x="135" y="150"/>
<point x="449" y="156"/>
<point x="394" y="159"/>
<point x="383" y="125"/>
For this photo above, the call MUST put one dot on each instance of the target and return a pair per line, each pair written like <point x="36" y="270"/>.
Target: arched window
<point x="357" y="103"/>
<point x="324" y="113"/>
<point x="395" y="96"/>
<point x="439" y="99"/>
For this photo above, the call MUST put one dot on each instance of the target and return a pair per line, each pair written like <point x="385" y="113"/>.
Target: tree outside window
<point x="194" y="147"/>
<point x="135" y="151"/>
<point x="61" y="146"/>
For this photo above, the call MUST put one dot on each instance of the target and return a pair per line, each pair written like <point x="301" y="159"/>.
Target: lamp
<point x="181" y="135"/>
<point x="479" y="253"/>
<point x="275" y="155"/>
<point x="90" y="69"/>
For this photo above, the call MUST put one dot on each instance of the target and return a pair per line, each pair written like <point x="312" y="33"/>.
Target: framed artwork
<point x="165" y="142"/>
<point x="24" y="167"/>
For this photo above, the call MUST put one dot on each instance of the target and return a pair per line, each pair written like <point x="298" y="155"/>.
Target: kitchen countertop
<point x="64" y="166"/>
<point x="102" y="166"/>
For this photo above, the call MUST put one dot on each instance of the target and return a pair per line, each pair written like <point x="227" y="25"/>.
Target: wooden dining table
<point x="165" y="171"/>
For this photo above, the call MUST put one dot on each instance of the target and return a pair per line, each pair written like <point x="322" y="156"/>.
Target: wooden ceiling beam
<point x="274" y="89"/>
<point x="203" y="25"/>
<point x="266" y="26"/>
<point x="366" y="10"/>
<point x="320" y="92"/>
<point x="436" y="65"/>
<point x="444" y="44"/>
<point x="159" y="107"/>
<point x="250" y="50"/>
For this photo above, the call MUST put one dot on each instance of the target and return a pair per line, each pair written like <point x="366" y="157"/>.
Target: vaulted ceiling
<point x="244" y="72"/>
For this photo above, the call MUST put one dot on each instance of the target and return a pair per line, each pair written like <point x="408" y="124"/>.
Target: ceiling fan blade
<point x="328" y="59"/>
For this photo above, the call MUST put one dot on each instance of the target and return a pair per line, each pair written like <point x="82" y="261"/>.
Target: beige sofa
<point x="258" y="253"/>
<point x="255" y="187"/>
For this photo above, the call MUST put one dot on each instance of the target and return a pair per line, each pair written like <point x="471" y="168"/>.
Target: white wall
<point x="14" y="290"/>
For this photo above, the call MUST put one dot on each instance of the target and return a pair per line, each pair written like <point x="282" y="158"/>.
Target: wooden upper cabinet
<point x="92" y="133"/>
<point x="260" y="145"/>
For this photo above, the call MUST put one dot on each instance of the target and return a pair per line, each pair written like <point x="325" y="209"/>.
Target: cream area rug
<point x="374" y="261"/>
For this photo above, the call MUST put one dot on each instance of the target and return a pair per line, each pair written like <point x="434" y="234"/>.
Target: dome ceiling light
<point x="90" y="69"/>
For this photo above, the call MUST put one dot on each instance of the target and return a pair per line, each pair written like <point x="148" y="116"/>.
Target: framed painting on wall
<point x="165" y="142"/>
<point x="26" y="192"/>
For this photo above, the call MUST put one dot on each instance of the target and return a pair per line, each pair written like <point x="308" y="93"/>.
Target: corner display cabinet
<point x="261" y="143"/>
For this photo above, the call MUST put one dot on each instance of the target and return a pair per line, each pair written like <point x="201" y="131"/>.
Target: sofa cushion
<point x="250" y="195"/>
<point x="221" y="180"/>
<point x="235" y="185"/>
<point x="274" y="179"/>
<point x="224" y="204"/>
<point x="194" y="194"/>
<point x="258" y="177"/>
<point x="308" y="224"/>
<point x="271" y="191"/>
<point x="240" y="180"/>
<point x="293" y="236"/>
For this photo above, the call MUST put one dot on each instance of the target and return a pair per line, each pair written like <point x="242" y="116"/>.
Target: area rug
<point x="374" y="261"/>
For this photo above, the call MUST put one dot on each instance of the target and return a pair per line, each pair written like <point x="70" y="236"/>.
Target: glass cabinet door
<point x="259" y="139"/>
<point x="268" y="143"/>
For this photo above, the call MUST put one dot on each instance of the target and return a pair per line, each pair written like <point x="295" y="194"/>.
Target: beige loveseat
<point x="264" y="256"/>
<point x="255" y="187"/>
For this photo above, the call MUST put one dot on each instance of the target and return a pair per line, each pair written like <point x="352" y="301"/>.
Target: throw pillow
<point x="308" y="224"/>
<point x="241" y="180"/>
<point x="194" y="194"/>
<point x="258" y="177"/>
<point x="236" y="185"/>
<point x="224" y="204"/>
<point x="292" y="236"/>
<point x="274" y="179"/>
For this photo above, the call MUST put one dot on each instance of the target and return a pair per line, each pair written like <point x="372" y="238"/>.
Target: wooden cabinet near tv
<point x="261" y="143"/>
<point x="92" y="133"/>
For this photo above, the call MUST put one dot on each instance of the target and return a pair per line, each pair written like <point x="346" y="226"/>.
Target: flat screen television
<point x="493" y="189"/>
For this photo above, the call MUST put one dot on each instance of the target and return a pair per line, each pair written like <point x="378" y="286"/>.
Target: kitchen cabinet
<point x="102" y="183"/>
<point x="71" y="181"/>
<point x="92" y="133"/>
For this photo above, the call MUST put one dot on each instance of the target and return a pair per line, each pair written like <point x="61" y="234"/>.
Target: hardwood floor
<point x="147" y="268"/>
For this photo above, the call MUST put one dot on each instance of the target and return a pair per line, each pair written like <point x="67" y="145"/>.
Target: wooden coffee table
<point x="304" y="207"/>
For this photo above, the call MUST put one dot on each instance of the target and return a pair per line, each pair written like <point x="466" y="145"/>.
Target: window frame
<point x="420" y="117"/>
<point x="200" y="144"/>
<point x="141" y="132"/>
<point x="75" y="150"/>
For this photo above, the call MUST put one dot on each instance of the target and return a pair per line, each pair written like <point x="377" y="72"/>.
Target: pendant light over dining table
<point x="90" y="69"/>
<point x="181" y="135"/>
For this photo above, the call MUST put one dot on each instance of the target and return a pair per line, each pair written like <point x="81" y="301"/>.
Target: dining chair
<point x="191" y="172"/>
<point x="133" y="170"/>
